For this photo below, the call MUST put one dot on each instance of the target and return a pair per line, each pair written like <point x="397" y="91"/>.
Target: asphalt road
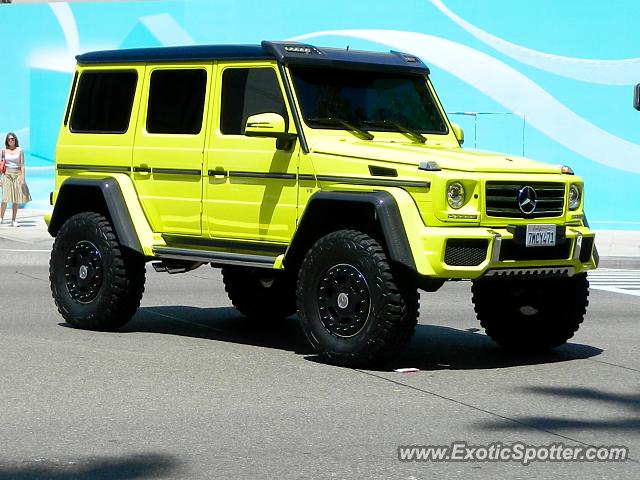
<point x="190" y="389"/>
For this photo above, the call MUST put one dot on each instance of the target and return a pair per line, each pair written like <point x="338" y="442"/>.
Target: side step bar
<point x="195" y="255"/>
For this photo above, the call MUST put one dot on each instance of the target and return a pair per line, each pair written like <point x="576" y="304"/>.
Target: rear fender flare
<point x="102" y="195"/>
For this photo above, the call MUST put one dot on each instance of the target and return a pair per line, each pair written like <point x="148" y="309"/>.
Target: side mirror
<point x="265" y="125"/>
<point x="636" y="97"/>
<point x="458" y="132"/>
<point x="270" y="125"/>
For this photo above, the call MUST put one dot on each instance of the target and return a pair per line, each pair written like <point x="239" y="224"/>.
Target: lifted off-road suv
<point x="322" y="181"/>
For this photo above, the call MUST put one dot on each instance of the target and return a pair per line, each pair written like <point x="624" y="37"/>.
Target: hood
<point x="460" y="159"/>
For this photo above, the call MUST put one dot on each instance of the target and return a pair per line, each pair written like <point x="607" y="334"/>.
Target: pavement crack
<point x="482" y="410"/>
<point x="184" y="322"/>
<point x="611" y="364"/>
<point x="33" y="277"/>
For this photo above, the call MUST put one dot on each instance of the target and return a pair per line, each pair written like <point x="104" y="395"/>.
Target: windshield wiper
<point x="407" y="132"/>
<point x="358" y="132"/>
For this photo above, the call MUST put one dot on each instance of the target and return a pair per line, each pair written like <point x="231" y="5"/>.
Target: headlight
<point x="574" y="197"/>
<point x="455" y="195"/>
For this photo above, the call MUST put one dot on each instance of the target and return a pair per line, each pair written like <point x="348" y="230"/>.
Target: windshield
<point x="370" y="100"/>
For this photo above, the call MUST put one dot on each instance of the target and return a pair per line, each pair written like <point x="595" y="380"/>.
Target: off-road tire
<point x="95" y="282"/>
<point x="352" y="309"/>
<point x="531" y="314"/>
<point x="260" y="293"/>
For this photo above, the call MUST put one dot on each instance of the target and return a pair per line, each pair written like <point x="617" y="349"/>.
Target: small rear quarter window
<point x="103" y="102"/>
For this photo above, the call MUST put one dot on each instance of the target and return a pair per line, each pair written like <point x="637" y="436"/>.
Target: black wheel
<point x="260" y="293"/>
<point x="531" y="314"/>
<point x="96" y="284"/>
<point x="352" y="309"/>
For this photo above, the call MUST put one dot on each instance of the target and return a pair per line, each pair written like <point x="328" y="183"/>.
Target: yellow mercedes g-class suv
<point x="322" y="181"/>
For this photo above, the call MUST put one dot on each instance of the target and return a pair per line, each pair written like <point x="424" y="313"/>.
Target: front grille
<point x="461" y="253"/>
<point x="510" y="250"/>
<point x="502" y="199"/>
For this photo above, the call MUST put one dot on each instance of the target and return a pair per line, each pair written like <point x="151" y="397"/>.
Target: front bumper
<point x="475" y="252"/>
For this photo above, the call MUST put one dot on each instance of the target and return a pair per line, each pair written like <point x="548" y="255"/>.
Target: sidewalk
<point x="31" y="229"/>
<point x="617" y="248"/>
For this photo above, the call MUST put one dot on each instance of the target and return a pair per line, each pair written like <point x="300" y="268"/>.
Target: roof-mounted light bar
<point x="299" y="49"/>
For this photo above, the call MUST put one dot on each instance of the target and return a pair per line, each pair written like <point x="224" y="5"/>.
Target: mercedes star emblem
<point x="527" y="200"/>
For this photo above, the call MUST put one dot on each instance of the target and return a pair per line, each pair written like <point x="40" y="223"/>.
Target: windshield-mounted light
<point x="430" y="166"/>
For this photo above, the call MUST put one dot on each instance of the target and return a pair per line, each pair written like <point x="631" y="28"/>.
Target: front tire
<point x="95" y="282"/>
<point x="531" y="314"/>
<point x="352" y="309"/>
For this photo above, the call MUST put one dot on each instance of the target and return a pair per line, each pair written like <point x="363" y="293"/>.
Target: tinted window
<point x="176" y="101"/>
<point x="369" y="99"/>
<point x="246" y="92"/>
<point x="103" y="102"/>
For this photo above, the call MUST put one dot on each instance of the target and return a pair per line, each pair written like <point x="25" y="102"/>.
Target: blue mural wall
<point x="547" y="79"/>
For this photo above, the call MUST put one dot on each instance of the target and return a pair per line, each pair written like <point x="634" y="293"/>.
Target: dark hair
<point x="6" y="139"/>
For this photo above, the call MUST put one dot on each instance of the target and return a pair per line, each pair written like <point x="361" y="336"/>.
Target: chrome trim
<point x="524" y="271"/>
<point x="577" y="249"/>
<point x="497" y="245"/>
<point x="527" y="199"/>
<point x="259" y="261"/>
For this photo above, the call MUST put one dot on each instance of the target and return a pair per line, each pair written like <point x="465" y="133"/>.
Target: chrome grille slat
<point x="502" y="199"/>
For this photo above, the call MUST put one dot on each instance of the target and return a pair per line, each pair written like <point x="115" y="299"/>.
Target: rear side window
<point x="246" y="92"/>
<point x="103" y="102"/>
<point x="176" y="101"/>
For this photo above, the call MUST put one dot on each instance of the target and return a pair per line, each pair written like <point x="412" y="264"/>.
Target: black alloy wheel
<point x="96" y="283"/>
<point x="352" y="308"/>
<point x="344" y="300"/>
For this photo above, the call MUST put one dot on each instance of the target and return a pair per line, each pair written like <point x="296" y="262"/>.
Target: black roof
<point x="288" y="53"/>
<point x="175" y="54"/>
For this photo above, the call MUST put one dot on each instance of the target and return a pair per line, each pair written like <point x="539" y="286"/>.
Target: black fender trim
<point x="78" y="195"/>
<point x="387" y="215"/>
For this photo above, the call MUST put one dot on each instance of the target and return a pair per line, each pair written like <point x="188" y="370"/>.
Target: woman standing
<point x="14" y="188"/>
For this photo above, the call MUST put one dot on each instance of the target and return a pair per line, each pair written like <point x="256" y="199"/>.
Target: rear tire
<point x="260" y="293"/>
<point x="531" y="314"/>
<point x="352" y="309"/>
<point x="96" y="283"/>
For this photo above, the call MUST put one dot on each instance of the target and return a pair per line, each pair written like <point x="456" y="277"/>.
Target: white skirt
<point x="12" y="191"/>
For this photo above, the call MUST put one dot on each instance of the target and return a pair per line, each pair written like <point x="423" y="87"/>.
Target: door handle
<point x="142" y="169"/>
<point x="217" y="172"/>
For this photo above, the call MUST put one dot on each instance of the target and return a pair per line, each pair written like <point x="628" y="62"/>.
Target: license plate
<point x="540" y="236"/>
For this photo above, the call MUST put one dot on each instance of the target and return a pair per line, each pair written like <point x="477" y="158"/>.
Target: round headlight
<point x="574" y="197"/>
<point x="455" y="195"/>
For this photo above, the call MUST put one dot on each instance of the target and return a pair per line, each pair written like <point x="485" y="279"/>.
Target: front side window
<point x="176" y="101"/>
<point x="366" y="99"/>
<point x="246" y="92"/>
<point x="103" y="102"/>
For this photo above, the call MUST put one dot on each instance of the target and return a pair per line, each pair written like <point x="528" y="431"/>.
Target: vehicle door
<point x="252" y="187"/>
<point x="169" y="145"/>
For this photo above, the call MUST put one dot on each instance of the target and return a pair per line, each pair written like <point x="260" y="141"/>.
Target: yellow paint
<point x="238" y="204"/>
